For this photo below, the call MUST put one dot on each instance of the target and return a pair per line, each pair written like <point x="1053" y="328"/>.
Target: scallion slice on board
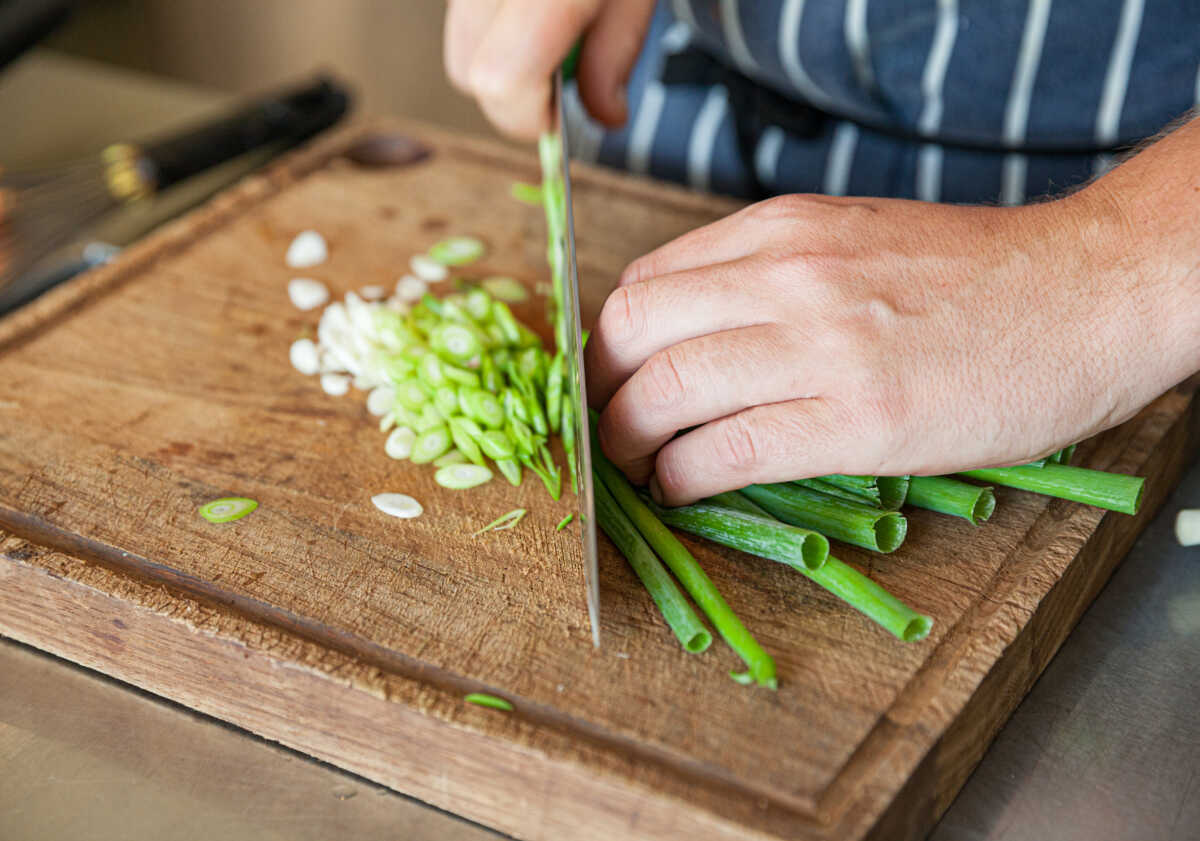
<point x="503" y="522"/>
<point x="227" y="509"/>
<point x="457" y="251"/>
<point x="398" y="505"/>
<point x="462" y="476"/>
<point x="482" y="699"/>
<point x="675" y="609"/>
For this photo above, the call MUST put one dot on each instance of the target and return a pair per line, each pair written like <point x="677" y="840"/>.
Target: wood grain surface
<point x="134" y="394"/>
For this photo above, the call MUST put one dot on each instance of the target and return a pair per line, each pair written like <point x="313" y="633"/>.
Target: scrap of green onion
<point x="973" y="503"/>
<point x="506" y="289"/>
<point x="456" y="341"/>
<point x="446" y="400"/>
<point x="452" y="457"/>
<point x="481" y="406"/>
<point x="510" y="469"/>
<point x="478" y="304"/>
<point x="465" y="434"/>
<point x="840" y="519"/>
<point x="503" y="522"/>
<point x="527" y="193"/>
<point x="503" y="318"/>
<point x="227" y="509"/>
<point x="431" y="444"/>
<point x="564" y="522"/>
<point x="462" y="476"/>
<point x="496" y="445"/>
<point x="1114" y="491"/>
<point x="679" y="615"/>
<point x="482" y="699"/>
<point x="399" y="444"/>
<point x="457" y="251"/>
<point x="689" y="573"/>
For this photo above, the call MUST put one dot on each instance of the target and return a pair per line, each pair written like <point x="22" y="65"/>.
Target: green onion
<point x="949" y="496"/>
<point x="693" y="578"/>
<point x="522" y="437"/>
<point x="674" y="608"/>
<point x="481" y="406"/>
<point x="482" y="699"/>
<point x="564" y="522"/>
<point x="478" y="304"/>
<point x="462" y="476"/>
<point x="887" y="492"/>
<point x="850" y="522"/>
<point x="763" y="536"/>
<point x="430" y="444"/>
<point x="465" y="433"/>
<point x="506" y="321"/>
<point x="505" y="289"/>
<point x="864" y="595"/>
<point x="457" y="251"/>
<point x="430" y="371"/>
<point x="554" y="392"/>
<point x="446" y="399"/>
<point x="489" y="376"/>
<point x="452" y="457"/>
<point x="462" y="376"/>
<point x="527" y="193"/>
<point x="411" y="395"/>
<point x="496" y="445"/>
<point x="1114" y="491"/>
<point x="429" y="418"/>
<point x="456" y="341"/>
<point x="738" y="502"/>
<point x="227" y="509"/>
<point x="1067" y="454"/>
<point x="510" y="469"/>
<point x="868" y="496"/>
<point x="503" y="522"/>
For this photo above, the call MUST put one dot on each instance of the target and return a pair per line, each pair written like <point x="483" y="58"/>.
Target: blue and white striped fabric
<point x="941" y="100"/>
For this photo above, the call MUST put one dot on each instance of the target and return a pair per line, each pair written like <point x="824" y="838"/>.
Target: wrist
<point x="1137" y="244"/>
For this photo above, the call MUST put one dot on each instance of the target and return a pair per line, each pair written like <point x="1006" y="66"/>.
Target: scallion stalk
<point x="763" y="536"/>
<point x="840" y="519"/>
<point x="683" y="621"/>
<point x="1114" y="491"/>
<point x="693" y="578"/>
<point x="973" y="503"/>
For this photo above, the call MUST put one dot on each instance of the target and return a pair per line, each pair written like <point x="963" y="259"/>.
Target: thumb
<point x="609" y="52"/>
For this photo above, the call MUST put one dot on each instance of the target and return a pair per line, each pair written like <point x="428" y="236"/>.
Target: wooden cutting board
<point x="138" y="392"/>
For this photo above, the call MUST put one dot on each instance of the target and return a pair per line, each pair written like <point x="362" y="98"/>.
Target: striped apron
<point x="941" y="100"/>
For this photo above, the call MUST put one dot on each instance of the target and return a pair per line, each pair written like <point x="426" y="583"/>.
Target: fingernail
<point x="655" y="490"/>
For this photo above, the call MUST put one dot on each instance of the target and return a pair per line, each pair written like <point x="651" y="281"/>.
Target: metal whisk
<point x="43" y="210"/>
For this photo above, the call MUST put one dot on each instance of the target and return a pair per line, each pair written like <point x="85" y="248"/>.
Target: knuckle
<point x="738" y="442"/>
<point x="663" y="386"/>
<point x="621" y="318"/>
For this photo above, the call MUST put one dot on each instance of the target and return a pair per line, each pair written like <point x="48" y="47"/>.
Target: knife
<point x="555" y="162"/>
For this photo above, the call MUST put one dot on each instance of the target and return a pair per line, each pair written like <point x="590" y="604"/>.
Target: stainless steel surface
<point x="85" y="757"/>
<point x="576" y="387"/>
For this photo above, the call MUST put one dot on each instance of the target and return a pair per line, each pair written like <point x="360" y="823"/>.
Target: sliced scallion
<point x="457" y="251"/>
<point x="462" y="476"/>
<point x="482" y="699"/>
<point x="503" y="522"/>
<point x="227" y="509"/>
<point x="431" y="444"/>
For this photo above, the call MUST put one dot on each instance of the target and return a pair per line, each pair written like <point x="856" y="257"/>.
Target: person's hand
<point x="808" y="335"/>
<point x="503" y="52"/>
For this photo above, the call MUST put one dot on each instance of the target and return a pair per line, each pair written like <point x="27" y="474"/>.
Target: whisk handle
<point x="289" y="118"/>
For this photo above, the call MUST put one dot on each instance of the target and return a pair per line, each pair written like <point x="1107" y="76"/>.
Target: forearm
<point x="1143" y="225"/>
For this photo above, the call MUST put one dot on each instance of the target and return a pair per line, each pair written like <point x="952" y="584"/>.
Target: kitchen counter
<point x="1107" y="745"/>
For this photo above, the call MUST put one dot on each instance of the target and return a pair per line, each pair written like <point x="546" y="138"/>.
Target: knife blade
<point x="570" y="340"/>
